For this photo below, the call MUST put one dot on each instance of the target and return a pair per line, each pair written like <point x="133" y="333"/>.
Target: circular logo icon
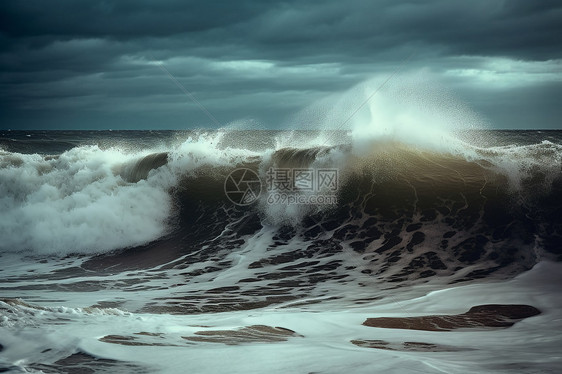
<point x="242" y="186"/>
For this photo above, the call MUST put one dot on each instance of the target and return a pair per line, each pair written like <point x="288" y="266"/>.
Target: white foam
<point x="525" y="162"/>
<point x="76" y="204"/>
<point x="530" y="345"/>
<point x="80" y="203"/>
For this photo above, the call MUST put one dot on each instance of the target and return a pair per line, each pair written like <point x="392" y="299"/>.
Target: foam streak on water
<point x="38" y="337"/>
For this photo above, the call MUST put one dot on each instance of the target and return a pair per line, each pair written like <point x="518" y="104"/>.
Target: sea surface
<point x="256" y="251"/>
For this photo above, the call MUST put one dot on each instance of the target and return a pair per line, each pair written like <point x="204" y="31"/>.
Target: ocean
<point x="251" y="251"/>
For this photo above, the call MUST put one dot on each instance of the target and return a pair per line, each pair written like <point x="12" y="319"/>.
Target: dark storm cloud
<point x="93" y="62"/>
<point x="123" y="19"/>
<point x="521" y="29"/>
<point x="367" y="28"/>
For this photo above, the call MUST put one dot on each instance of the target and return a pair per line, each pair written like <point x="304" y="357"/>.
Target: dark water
<point x="141" y="221"/>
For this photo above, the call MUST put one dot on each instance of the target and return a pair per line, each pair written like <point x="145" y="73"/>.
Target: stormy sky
<point x="176" y="64"/>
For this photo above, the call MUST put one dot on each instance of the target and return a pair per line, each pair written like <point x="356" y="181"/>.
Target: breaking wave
<point x="90" y="199"/>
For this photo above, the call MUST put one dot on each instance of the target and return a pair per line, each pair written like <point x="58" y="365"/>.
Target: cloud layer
<point x="68" y="64"/>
